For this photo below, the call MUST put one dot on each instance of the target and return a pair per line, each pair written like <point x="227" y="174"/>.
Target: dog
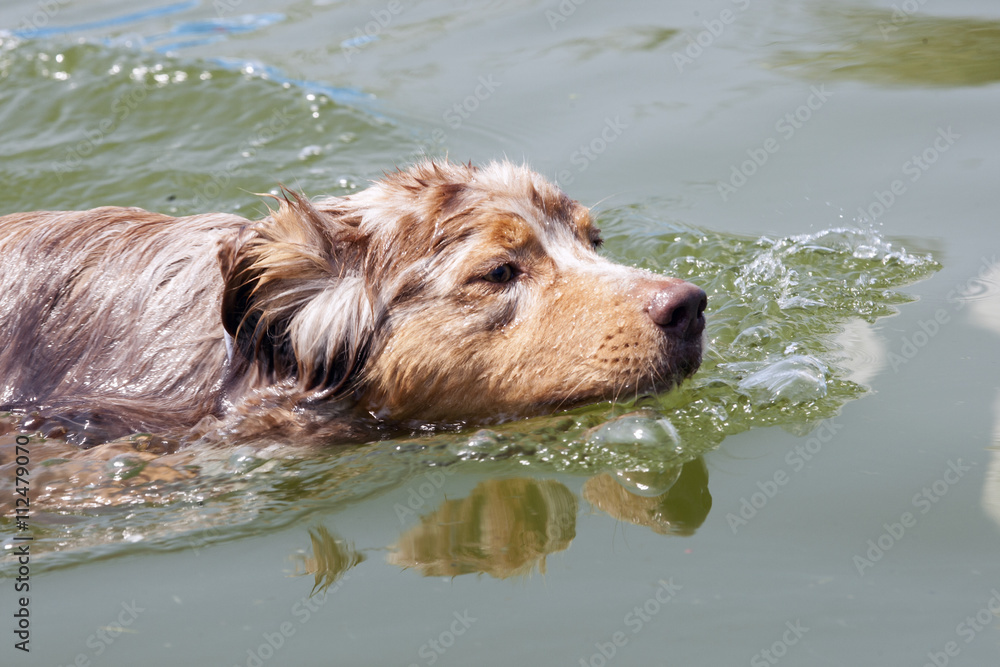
<point x="442" y="293"/>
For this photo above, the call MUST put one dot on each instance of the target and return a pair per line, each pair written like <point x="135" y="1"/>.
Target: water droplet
<point x="309" y="151"/>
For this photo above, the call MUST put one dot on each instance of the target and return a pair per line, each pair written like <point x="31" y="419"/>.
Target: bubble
<point x="648" y="484"/>
<point x="795" y="379"/>
<point x="755" y="336"/>
<point x="636" y="431"/>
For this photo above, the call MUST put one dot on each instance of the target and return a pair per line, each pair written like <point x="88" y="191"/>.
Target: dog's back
<point x="102" y="305"/>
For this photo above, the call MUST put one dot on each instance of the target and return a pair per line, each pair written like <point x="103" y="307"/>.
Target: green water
<point x="822" y="492"/>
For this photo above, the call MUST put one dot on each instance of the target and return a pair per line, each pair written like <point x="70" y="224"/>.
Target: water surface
<point x="823" y="490"/>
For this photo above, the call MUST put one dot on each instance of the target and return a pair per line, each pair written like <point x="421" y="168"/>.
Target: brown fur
<point x="114" y="319"/>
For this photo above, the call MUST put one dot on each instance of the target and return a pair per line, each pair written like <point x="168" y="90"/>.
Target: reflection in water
<point x="983" y="296"/>
<point x="680" y="510"/>
<point x="892" y="47"/>
<point x="503" y="528"/>
<point x="331" y="558"/>
<point x="621" y="40"/>
<point x="862" y="352"/>
<point x="506" y="527"/>
<point x="991" y="484"/>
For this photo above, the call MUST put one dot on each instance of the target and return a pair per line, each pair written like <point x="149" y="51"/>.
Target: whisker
<point x="569" y="396"/>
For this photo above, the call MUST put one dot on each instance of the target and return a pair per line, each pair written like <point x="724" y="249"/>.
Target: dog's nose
<point x="678" y="308"/>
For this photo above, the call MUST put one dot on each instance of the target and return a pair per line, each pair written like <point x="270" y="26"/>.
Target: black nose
<point x="679" y="309"/>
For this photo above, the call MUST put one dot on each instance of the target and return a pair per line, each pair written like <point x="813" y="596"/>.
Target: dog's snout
<point x="678" y="308"/>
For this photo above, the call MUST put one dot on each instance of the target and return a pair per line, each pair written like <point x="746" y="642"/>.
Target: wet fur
<point x="350" y="311"/>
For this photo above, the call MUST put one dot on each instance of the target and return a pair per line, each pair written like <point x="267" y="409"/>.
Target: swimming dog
<point x="441" y="293"/>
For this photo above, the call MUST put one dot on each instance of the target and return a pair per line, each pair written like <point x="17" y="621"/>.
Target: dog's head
<point x="449" y="292"/>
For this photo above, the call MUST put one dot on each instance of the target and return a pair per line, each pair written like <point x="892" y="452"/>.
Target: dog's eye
<point x="596" y="240"/>
<point x="501" y="274"/>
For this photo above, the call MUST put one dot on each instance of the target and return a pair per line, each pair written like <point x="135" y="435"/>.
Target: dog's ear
<point x="293" y="301"/>
<point x="237" y="285"/>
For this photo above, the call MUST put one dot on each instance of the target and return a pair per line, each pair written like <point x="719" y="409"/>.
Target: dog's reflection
<point x="675" y="502"/>
<point x="507" y="527"/>
<point x="331" y="558"/>
<point x="504" y="527"/>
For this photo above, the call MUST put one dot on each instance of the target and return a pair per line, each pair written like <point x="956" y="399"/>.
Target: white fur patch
<point x="338" y="317"/>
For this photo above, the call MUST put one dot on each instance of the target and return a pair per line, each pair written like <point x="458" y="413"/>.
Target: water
<point x="823" y="489"/>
